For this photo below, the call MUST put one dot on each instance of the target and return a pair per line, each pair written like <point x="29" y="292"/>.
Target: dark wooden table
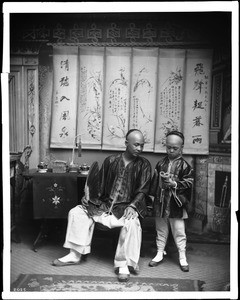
<point x="54" y="194"/>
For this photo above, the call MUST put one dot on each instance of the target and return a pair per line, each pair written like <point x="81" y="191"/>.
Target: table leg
<point x="42" y="234"/>
<point x="15" y="236"/>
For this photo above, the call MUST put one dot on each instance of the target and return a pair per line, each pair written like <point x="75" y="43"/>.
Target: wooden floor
<point x="208" y="262"/>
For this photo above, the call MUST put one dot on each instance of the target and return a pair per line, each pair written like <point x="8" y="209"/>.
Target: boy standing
<point x="171" y="188"/>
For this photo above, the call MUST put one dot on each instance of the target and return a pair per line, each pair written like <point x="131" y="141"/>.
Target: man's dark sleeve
<point x="142" y="190"/>
<point x="102" y="181"/>
<point x="154" y="182"/>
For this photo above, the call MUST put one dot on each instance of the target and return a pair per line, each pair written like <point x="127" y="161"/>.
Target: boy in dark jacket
<point x="171" y="189"/>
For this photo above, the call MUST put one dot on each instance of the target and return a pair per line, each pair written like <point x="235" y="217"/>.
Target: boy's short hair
<point x="175" y="132"/>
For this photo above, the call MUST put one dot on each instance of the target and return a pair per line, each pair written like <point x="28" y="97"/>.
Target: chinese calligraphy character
<point x="113" y="32"/>
<point x="149" y="33"/>
<point x="197" y="104"/>
<point x="65" y="115"/>
<point x="198" y="69"/>
<point x="198" y="85"/>
<point x="175" y="77"/>
<point x="65" y="64"/>
<point x="64" y="132"/>
<point x="64" y="98"/>
<point x="197" y="139"/>
<point x="132" y="32"/>
<point x="197" y="121"/>
<point x="94" y="33"/>
<point x="64" y="81"/>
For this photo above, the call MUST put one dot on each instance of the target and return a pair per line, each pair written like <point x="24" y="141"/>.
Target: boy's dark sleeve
<point x="184" y="185"/>
<point x="187" y="178"/>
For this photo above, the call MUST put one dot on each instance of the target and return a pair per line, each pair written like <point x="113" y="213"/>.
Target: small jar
<point x="41" y="165"/>
<point x="84" y="168"/>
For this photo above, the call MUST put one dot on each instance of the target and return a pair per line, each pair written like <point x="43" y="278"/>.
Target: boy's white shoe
<point x="183" y="262"/>
<point x="156" y="260"/>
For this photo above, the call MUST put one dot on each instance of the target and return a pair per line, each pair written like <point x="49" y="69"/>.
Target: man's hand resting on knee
<point x="130" y="213"/>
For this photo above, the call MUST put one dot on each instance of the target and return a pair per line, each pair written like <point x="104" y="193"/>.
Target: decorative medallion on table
<point x="54" y="195"/>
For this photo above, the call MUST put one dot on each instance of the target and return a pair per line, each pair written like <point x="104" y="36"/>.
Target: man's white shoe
<point x="124" y="274"/>
<point x="72" y="258"/>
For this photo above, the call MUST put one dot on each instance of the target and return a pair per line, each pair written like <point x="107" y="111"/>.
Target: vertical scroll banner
<point x="197" y="101"/>
<point x="117" y="95"/>
<point x="45" y="99"/>
<point x="90" y="99"/>
<point x="33" y="113"/>
<point x="65" y="70"/>
<point x="143" y="93"/>
<point x="170" y="94"/>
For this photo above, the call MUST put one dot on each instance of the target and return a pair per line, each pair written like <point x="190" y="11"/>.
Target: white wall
<point x="89" y="156"/>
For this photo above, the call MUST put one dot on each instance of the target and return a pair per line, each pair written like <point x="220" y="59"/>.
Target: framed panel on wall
<point x="216" y="109"/>
<point x="220" y="121"/>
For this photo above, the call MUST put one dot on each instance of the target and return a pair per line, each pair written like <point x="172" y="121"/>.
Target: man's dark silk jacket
<point x="169" y="202"/>
<point x="133" y="190"/>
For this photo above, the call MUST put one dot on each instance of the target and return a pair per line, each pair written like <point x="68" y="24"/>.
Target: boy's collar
<point x="174" y="158"/>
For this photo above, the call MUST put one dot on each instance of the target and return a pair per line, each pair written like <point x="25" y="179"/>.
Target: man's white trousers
<point x="80" y="231"/>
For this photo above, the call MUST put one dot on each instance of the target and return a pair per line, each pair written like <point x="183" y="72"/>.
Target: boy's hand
<point x="169" y="182"/>
<point x="172" y="183"/>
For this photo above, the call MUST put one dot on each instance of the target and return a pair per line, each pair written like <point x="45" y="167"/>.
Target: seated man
<point x="124" y="182"/>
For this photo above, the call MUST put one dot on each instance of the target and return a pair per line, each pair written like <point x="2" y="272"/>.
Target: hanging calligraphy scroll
<point x="65" y="68"/>
<point x="89" y="121"/>
<point x="143" y="93"/>
<point x="117" y="95"/>
<point x="170" y="94"/>
<point x="197" y="100"/>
